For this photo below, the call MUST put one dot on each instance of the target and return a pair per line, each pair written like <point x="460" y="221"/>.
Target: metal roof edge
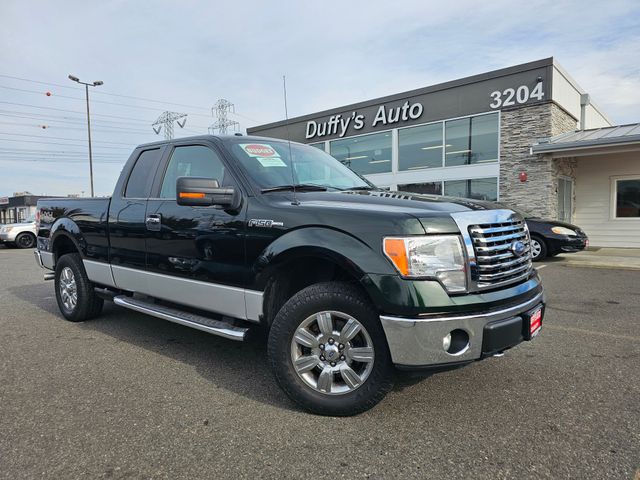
<point x="560" y="147"/>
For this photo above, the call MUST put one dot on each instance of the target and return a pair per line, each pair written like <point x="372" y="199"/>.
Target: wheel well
<point x="292" y="276"/>
<point x="63" y="245"/>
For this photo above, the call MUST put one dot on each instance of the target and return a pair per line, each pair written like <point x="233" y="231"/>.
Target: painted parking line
<point x="541" y="266"/>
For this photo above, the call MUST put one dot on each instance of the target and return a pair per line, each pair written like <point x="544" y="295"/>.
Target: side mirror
<point x="205" y="192"/>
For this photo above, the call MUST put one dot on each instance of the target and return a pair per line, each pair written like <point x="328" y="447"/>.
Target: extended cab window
<point x="192" y="161"/>
<point x="141" y="178"/>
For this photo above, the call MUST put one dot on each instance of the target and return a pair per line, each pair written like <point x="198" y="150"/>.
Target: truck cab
<point x="230" y="234"/>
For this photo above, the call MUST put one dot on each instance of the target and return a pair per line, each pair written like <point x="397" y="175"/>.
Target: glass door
<point x="565" y="199"/>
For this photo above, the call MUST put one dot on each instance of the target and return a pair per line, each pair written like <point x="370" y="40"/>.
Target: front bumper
<point x="418" y="342"/>
<point x="7" y="238"/>
<point x="567" y="244"/>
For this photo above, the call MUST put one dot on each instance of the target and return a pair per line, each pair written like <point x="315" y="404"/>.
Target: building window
<point x="366" y="154"/>
<point x="420" y="147"/>
<point x="432" y="188"/>
<point x="477" y="188"/>
<point x="627" y="198"/>
<point x="471" y="140"/>
<point x="319" y="145"/>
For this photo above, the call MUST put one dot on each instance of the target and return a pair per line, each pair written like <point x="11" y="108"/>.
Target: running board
<point x="216" y="327"/>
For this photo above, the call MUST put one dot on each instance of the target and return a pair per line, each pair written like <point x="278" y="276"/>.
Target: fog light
<point x="456" y="342"/>
<point x="446" y="341"/>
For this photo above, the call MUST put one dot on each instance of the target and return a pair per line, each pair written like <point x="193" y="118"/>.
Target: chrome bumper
<point x="418" y="341"/>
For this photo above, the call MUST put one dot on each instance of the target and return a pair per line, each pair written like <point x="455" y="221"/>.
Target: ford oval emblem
<point x="518" y="248"/>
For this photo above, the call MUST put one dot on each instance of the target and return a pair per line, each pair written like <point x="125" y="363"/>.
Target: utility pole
<point x="220" y="111"/>
<point x="166" y="120"/>
<point x="86" y="93"/>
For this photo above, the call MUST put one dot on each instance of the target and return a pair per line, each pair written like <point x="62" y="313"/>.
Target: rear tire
<point x="74" y="291"/>
<point x="328" y="351"/>
<point x="26" y="240"/>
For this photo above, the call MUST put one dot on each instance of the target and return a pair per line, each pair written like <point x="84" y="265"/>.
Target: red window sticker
<point x="259" y="150"/>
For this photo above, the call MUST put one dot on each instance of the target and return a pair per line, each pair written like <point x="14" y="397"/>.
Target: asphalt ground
<point x="130" y="396"/>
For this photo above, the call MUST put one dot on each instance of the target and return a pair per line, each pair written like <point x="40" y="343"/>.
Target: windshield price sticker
<point x="271" y="162"/>
<point x="259" y="150"/>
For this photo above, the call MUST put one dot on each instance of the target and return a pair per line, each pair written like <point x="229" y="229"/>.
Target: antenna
<point x="286" y="118"/>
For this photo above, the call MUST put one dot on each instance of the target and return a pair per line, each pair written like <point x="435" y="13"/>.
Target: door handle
<point x="154" y="222"/>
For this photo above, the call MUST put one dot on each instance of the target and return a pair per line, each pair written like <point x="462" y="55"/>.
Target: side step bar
<point x="198" y="322"/>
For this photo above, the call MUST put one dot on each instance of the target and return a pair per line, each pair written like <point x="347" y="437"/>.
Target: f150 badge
<point x="261" y="222"/>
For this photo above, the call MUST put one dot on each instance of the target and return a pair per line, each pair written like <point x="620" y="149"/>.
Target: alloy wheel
<point x="68" y="289"/>
<point x="332" y="352"/>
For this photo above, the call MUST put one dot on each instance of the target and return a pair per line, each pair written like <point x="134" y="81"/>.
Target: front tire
<point x="26" y="240"/>
<point x="328" y="351"/>
<point x="538" y="249"/>
<point x="74" y="291"/>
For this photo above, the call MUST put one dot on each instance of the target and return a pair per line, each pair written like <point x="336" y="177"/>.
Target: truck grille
<point x="497" y="263"/>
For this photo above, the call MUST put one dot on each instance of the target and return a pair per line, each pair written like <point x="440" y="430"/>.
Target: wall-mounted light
<point x="523" y="176"/>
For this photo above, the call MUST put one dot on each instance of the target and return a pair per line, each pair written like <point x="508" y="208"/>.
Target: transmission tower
<point x="222" y="123"/>
<point x="166" y="120"/>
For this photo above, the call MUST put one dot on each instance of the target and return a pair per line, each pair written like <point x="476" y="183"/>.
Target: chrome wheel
<point x="68" y="289"/>
<point x="536" y="248"/>
<point x="332" y="352"/>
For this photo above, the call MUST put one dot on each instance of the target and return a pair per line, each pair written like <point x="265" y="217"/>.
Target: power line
<point x="133" y="97"/>
<point x="57" y="143"/>
<point x="71" y="111"/>
<point x="63" y="138"/>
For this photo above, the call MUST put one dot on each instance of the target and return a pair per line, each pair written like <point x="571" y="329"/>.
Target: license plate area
<point x="533" y="322"/>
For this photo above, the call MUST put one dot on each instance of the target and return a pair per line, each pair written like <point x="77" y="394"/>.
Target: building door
<point x="565" y="199"/>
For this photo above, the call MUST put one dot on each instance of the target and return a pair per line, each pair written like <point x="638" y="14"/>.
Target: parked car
<point x="225" y="234"/>
<point x="551" y="237"/>
<point x="21" y="235"/>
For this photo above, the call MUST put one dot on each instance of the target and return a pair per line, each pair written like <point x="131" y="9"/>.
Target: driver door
<point x="201" y="244"/>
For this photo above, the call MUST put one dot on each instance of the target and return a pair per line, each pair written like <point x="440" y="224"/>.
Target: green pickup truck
<point x="229" y="234"/>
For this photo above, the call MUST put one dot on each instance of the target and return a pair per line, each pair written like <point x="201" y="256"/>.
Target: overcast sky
<point x="332" y="52"/>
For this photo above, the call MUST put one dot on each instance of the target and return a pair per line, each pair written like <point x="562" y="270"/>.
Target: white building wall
<point x="593" y="200"/>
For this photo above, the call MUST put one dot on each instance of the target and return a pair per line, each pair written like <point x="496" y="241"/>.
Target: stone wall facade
<point x="519" y="129"/>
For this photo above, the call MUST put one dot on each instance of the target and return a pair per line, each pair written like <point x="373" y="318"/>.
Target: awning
<point x="597" y="138"/>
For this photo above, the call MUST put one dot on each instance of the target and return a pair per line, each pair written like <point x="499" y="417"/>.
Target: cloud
<point x="333" y="53"/>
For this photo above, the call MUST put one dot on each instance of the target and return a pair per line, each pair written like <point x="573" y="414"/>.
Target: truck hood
<point x="432" y="212"/>
<point x="398" y="202"/>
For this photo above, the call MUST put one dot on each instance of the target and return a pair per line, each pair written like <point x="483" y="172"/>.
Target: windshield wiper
<point x="302" y="187"/>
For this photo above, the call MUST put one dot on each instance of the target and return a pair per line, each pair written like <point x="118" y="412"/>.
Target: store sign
<point x="459" y="98"/>
<point x="4" y="200"/>
<point x="338" y="125"/>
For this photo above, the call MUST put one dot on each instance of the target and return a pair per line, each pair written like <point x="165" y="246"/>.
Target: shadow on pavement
<point x="240" y="367"/>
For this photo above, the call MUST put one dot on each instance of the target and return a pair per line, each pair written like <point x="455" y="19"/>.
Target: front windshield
<point x="268" y="163"/>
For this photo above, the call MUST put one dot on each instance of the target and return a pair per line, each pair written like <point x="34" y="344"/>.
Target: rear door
<point x="127" y="228"/>
<point x="203" y="245"/>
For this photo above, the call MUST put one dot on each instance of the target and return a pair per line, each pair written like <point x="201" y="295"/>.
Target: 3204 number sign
<point x="516" y="96"/>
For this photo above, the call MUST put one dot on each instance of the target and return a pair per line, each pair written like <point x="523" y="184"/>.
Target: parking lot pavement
<point x="130" y="396"/>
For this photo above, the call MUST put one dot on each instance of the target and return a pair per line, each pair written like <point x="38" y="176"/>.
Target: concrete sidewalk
<point x="627" y="258"/>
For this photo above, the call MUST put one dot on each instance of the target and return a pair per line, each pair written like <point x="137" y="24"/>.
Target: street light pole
<point x="86" y="92"/>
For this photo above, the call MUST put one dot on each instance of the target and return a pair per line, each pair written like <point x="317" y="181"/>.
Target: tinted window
<point x="192" y="161"/>
<point x="420" y="147"/>
<point x="432" y="188"/>
<point x="628" y="198"/>
<point x="366" y="154"/>
<point x="141" y="178"/>
<point x="478" y="188"/>
<point x="471" y="140"/>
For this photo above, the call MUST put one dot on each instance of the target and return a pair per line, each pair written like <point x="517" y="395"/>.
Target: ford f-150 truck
<point x="226" y="234"/>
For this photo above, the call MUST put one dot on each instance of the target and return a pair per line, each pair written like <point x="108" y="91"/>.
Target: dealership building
<point x="527" y="136"/>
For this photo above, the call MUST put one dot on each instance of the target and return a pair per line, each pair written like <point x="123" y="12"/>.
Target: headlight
<point x="436" y="257"/>
<point x="563" y="231"/>
<point x="6" y="229"/>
